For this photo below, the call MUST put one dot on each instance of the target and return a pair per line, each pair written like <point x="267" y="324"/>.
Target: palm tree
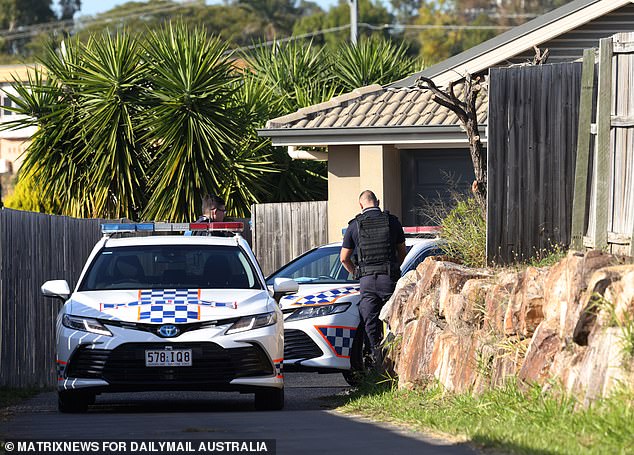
<point x="190" y="121"/>
<point x="141" y="129"/>
<point x="373" y="60"/>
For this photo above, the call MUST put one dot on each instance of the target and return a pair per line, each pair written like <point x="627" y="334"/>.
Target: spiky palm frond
<point x="190" y="120"/>
<point x="372" y="60"/>
<point x="110" y="82"/>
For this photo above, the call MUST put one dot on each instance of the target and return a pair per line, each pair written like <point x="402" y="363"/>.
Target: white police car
<point x="321" y="316"/>
<point x="168" y="312"/>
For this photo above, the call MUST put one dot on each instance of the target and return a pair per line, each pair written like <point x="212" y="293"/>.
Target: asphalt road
<point x="307" y="425"/>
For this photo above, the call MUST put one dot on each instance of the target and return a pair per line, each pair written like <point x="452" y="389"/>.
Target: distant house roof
<point x="20" y="71"/>
<point x="398" y="109"/>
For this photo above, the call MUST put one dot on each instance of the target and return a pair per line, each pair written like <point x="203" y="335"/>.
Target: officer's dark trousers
<point x="375" y="291"/>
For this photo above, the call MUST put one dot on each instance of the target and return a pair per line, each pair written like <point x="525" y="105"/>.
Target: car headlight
<point x="85" y="324"/>
<point x="317" y="311"/>
<point x="252" y="322"/>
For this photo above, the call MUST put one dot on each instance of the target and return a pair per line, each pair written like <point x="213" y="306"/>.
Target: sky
<point x="91" y="7"/>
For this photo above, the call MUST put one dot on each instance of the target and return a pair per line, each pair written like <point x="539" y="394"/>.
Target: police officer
<point x="213" y="208"/>
<point x="379" y="241"/>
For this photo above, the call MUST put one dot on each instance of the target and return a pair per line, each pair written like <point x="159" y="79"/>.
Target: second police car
<point x="168" y="312"/>
<point x="321" y="315"/>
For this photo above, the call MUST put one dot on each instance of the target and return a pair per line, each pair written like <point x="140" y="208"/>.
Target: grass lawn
<point x="505" y="419"/>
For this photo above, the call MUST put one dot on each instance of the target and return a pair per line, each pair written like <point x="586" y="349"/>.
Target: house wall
<point x="343" y="187"/>
<point x="352" y="169"/>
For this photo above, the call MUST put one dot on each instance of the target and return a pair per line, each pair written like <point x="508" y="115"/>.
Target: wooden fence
<point x="533" y="114"/>
<point x="35" y="248"/>
<point x="603" y="212"/>
<point x="285" y="230"/>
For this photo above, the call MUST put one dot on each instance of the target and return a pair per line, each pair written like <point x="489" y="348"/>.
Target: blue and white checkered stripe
<point x="169" y="295"/>
<point x="324" y="297"/>
<point x="169" y="305"/>
<point x="339" y="338"/>
<point x="170" y="313"/>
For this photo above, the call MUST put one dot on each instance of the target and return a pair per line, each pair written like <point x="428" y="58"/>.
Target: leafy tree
<point x="370" y="12"/>
<point x="68" y="8"/>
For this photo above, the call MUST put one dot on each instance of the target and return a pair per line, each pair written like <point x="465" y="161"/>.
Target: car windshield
<point x="318" y="266"/>
<point x="171" y="267"/>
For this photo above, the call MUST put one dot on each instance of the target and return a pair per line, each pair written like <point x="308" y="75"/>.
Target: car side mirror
<point x="285" y="286"/>
<point x="56" y="288"/>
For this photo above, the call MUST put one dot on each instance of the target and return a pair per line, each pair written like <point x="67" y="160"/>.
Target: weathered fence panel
<point x="533" y="114"/>
<point x="608" y="211"/>
<point x="35" y="248"/>
<point x="283" y="231"/>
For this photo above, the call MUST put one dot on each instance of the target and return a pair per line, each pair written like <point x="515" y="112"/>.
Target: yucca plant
<point x="372" y="60"/>
<point x="191" y="121"/>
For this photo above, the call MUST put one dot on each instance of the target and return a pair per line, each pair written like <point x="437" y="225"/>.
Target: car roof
<point x="409" y="241"/>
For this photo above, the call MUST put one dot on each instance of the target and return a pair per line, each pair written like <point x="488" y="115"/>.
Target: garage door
<point x="429" y="178"/>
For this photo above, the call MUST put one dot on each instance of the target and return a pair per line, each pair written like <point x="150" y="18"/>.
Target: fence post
<point x="583" y="151"/>
<point x="604" y="107"/>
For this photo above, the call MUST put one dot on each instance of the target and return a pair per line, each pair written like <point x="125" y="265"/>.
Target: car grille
<point x="211" y="364"/>
<point x="298" y="345"/>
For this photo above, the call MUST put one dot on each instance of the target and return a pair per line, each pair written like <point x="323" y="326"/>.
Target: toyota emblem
<point x="168" y="331"/>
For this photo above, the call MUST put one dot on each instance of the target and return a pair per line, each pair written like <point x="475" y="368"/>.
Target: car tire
<point x="358" y="362"/>
<point x="269" y="399"/>
<point x="73" y="401"/>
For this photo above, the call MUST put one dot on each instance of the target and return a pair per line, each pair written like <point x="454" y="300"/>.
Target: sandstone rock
<point x="466" y="310"/>
<point x="452" y="280"/>
<point x="602" y="288"/>
<point x="541" y="353"/>
<point x="393" y="308"/>
<point x="497" y="300"/>
<point x="524" y="311"/>
<point x="417" y="346"/>
<point x="566" y="284"/>
<point x="453" y="361"/>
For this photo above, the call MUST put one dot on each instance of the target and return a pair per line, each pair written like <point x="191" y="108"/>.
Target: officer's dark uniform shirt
<point x="351" y="237"/>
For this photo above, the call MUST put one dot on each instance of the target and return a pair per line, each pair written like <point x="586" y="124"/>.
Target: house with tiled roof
<point x="398" y="142"/>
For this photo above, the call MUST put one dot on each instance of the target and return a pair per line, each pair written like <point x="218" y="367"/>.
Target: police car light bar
<point x="421" y="229"/>
<point x="112" y="228"/>
<point x="230" y="226"/>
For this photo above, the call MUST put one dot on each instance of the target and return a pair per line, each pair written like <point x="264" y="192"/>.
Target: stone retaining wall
<point x="472" y="329"/>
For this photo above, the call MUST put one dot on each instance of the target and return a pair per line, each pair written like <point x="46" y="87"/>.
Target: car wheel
<point x="74" y="401"/>
<point x="360" y="358"/>
<point x="269" y="399"/>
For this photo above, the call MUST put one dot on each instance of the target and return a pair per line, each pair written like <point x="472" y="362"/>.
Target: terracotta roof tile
<point x="374" y="106"/>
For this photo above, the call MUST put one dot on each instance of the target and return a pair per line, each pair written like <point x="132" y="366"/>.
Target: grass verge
<point x="505" y="419"/>
<point x="10" y="396"/>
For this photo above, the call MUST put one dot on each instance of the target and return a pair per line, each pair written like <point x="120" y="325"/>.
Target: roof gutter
<point x="322" y="137"/>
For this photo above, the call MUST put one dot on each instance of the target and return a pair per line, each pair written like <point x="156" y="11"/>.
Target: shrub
<point x="464" y="229"/>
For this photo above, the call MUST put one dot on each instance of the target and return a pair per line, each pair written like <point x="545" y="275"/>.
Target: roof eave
<point x="405" y="135"/>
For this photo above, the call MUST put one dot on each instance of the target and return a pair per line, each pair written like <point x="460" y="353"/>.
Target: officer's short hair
<point x="369" y="197"/>
<point x="212" y="201"/>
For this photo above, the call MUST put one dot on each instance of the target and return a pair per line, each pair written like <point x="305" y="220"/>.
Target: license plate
<point x="168" y="358"/>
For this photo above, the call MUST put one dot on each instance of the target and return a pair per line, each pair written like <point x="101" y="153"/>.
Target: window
<point x="171" y="267"/>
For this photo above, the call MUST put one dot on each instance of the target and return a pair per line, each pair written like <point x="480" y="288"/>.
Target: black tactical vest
<point x="375" y="248"/>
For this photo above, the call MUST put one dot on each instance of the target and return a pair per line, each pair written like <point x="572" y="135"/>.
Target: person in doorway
<point x="379" y="241"/>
